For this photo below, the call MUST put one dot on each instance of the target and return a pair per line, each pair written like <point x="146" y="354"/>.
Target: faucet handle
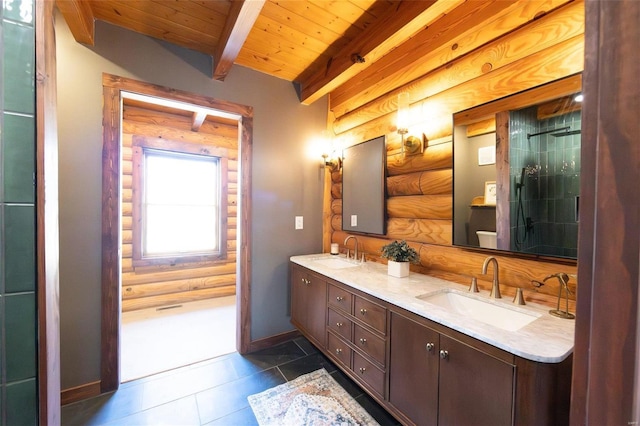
<point x="473" y="287"/>
<point x="519" y="299"/>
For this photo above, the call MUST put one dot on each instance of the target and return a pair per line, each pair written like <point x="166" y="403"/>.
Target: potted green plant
<point x="399" y="255"/>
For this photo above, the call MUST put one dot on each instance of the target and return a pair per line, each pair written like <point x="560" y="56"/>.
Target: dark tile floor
<point x="212" y="392"/>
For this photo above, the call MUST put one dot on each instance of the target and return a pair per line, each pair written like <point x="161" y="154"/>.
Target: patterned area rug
<point x="312" y="399"/>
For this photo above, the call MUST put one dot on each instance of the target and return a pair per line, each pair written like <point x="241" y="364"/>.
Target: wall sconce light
<point x="330" y="155"/>
<point x="411" y="144"/>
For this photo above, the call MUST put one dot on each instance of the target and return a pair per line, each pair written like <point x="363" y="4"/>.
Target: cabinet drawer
<point x="340" y="350"/>
<point x="369" y="373"/>
<point x="371" y="313"/>
<point x="340" y="298"/>
<point x="370" y="343"/>
<point x="339" y="324"/>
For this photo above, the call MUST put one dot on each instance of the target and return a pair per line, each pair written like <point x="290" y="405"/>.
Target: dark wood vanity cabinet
<point x="414" y="368"/>
<point x="437" y="380"/>
<point x="474" y="387"/>
<point x="309" y="304"/>
<point x="423" y="372"/>
<point x="357" y="337"/>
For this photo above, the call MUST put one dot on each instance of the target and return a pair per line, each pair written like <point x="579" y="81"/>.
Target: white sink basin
<point x="336" y="262"/>
<point x="480" y="310"/>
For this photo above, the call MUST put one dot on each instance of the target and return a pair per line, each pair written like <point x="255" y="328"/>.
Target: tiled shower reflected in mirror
<point x="544" y="162"/>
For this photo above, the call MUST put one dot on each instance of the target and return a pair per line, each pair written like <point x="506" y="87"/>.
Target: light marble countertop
<point x="547" y="339"/>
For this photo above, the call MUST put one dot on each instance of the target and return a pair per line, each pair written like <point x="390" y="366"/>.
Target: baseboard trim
<point x="78" y="393"/>
<point x="270" y="341"/>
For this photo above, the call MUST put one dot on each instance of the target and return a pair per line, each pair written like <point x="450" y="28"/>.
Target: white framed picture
<point x="486" y="155"/>
<point x="490" y="189"/>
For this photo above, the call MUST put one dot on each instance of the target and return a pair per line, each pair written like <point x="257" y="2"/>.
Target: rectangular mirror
<point x="517" y="172"/>
<point x="364" y="171"/>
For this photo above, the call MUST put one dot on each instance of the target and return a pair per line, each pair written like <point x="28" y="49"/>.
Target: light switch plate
<point x="299" y="222"/>
<point x="354" y="220"/>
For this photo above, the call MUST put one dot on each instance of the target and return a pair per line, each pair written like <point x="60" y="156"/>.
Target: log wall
<point x="145" y="287"/>
<point x="537" y="47"/>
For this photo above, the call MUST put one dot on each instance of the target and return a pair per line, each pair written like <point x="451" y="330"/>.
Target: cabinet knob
<point x="338" y="324"/>
<point x="363" y="311"/>
<point x="444" y="354"/>
<point x="339" y="298"/>
<point x="363" y="340"/>
<point x="338" y="351"/>
<point x="362" y="370"/>
<point x="430" y="346"/>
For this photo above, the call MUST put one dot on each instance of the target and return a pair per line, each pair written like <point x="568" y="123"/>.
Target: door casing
<point x="113" y="86"/>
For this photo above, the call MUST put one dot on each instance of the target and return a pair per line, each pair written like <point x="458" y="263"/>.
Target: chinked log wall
<point x="160" y="286"/>
<point x="520" y="49"/>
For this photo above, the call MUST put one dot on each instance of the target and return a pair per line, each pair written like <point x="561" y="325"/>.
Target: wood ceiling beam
<point x="197" y="120"/>
<point x="242" y="16"/>
<point x="462" y="32"/>
<point x="79" y="18"/>
<point x="382" y="36"/>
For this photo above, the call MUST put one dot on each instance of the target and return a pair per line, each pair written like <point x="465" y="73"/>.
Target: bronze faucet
<point x="355" y="250"/>
<point x="495" y="289"/>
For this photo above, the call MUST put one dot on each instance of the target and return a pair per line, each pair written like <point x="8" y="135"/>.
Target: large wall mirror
<point x="517" y="172"/>
<point x="364" y="187"/>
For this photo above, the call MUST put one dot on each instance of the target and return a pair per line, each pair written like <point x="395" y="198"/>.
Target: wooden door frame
<point x="48" y="250"/>
<point x="113" y="86"/>
<point x="607" y="343"/>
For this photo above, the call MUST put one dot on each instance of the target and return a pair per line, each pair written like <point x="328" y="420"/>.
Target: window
<point x="179" y="203"/>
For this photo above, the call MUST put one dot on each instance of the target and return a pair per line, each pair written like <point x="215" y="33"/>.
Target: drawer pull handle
<point x="338" y="324"/>
<point x="430" y="346"/>
<point x="362" y="370"/>
<point x="444" y="354"/>
<point x="363" y="340"/>
<point x="339" y="298"/>
<point x="363" y="311"/>
<point x="338" y="351"/>
<point x="305" y="281"/>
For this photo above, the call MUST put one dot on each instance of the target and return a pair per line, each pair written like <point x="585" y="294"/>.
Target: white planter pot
<point x="398" y="269"/>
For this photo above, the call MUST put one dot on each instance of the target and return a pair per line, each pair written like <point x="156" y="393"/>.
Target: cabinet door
<point x="413" y="370"/>
<point x="309" y="304"/>
<point x="475" y="388"/>
<point x="298" y="297"/>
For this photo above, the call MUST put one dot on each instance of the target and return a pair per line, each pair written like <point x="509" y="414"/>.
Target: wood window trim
<point x="139" y="144"/>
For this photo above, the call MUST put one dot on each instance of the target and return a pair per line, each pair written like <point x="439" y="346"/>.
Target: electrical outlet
<point x="354" y="220"/>
<point x="299" y="222"/>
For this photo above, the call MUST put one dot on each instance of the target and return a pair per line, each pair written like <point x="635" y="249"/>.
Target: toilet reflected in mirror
<point x="487" y="239"/>
<point x="482" y="218"/>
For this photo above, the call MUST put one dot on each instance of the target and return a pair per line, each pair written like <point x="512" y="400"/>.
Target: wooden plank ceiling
<point x="321" y="45"/>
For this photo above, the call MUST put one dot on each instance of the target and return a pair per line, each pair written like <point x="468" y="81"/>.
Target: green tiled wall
<point x="552" y="180"/>
<point x="18" y="315"/>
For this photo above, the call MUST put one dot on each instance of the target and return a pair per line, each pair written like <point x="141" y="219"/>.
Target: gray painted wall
<point x="468" y="177"/>
<point x="287" y="181"/>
